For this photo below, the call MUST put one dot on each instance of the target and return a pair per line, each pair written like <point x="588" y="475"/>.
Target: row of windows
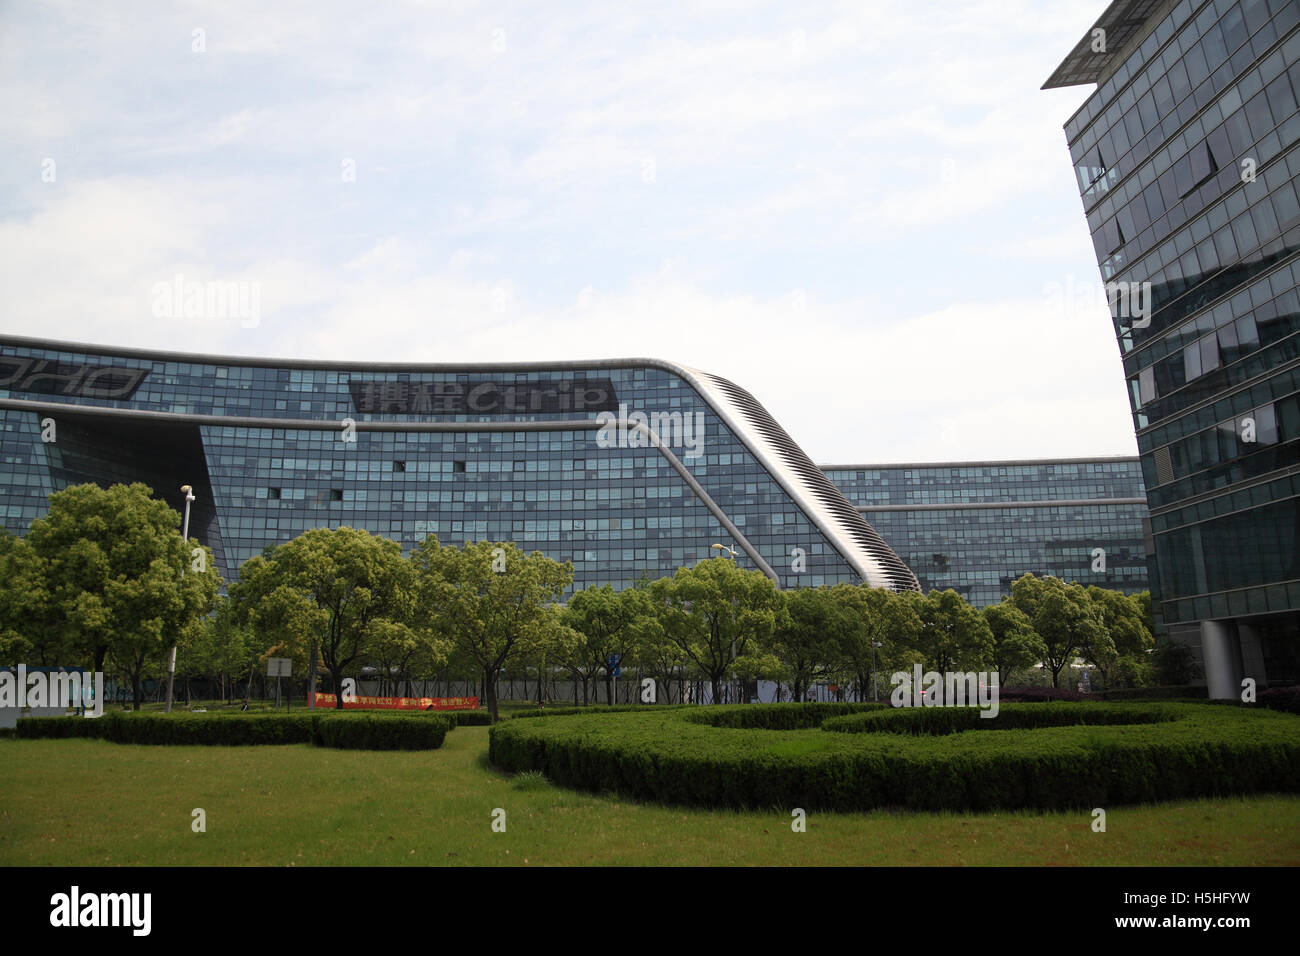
<point x="1237" y="338"/>
<point x="1147" y="111"/>
<point x="1182" y="86"/>
<point x="1150" y="206"/>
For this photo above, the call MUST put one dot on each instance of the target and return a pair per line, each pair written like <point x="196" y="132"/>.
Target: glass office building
<point x="626" y="468"/>
<point x="1187" y="163"/>
<point x="975" y="526"/>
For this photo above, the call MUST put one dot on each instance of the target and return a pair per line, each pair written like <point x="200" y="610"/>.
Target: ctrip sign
<point x="74" y="379"/>
<point x="484" y="398"/>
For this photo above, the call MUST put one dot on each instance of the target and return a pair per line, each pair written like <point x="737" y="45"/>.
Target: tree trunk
<point x="490" y="692"/>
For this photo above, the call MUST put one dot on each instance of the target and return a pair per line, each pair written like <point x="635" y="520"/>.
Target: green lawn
<point x="85" y="802"/>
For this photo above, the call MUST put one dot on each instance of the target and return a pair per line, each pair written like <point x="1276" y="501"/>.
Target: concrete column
<point x="1220" y="654"/>
<point x="1252" y="654"/>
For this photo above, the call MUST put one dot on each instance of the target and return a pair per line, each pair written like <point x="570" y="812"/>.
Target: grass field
<point x="85" y="802"/>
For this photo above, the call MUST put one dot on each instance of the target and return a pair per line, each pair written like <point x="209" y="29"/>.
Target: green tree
<point x="119" y="576"/>
<point x="953" y="635"/>
<point x="401" y="651"/>
<point x="607" y="621"/>
<point x="1122" y="655"/>
<point x="224" y="651"/>
<point x="327" y="592"/>
<point x="1064" y="617"/>
<point x="490" y="598"/>
<point x="1015" y="642"/>
<point x="714" y="612"/>
<point x="25" y="636"/>
<point x="884" y="628"/>
<point x="808" y="634"/>
<point x="548" y="645"/>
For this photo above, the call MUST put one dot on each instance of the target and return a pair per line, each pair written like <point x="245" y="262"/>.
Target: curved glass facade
<point x="1189" y="172"/>
<point x="624" y="468"/>
<point x="975" y="527"/>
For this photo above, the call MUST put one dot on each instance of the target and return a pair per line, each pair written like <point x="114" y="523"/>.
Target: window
<point x="458" y="466"/>
<point x="336" y="494"/>
<point x="273" y="493"/>
<point x="399" y="466"/>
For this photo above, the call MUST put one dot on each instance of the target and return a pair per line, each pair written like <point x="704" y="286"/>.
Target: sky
<point x="862" y="212"/>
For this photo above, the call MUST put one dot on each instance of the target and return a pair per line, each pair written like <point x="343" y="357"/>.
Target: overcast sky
<point x="862" y="212"/>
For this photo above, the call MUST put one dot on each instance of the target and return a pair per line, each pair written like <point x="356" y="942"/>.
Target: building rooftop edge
<point x="203" y="358"/>
<point x="981" y="464"/>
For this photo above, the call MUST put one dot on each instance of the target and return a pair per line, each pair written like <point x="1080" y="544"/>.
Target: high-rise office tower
<point x="1187" y="162"/>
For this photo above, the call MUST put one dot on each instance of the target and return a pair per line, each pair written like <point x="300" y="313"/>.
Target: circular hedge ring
<point x="1061" y="755"/>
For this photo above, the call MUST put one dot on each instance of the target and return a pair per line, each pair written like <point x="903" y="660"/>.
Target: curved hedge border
<point x="663" y="756"/>
<point x="593" y="709"/>
<point x="953" y="720"/>
<point x="778" y="716"/>
<point x="350" y="730"/>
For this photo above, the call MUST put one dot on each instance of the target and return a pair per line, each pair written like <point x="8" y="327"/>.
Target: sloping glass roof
<point x="1121" y="21"/>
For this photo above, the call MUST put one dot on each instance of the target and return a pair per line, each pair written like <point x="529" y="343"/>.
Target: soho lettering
<point x="74" y="909"/>
<point x="84" y="380"/>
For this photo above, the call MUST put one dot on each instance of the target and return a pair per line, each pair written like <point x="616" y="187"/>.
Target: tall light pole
<point x="185" y="536"/>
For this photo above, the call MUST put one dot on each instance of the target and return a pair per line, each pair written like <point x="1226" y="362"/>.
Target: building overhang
<point x="1121" y="21"/>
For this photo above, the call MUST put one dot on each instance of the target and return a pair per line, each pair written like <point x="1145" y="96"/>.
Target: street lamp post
<point x="185" y="536"/>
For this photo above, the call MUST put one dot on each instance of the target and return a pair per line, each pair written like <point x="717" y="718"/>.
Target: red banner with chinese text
<point x="401" y="703"/>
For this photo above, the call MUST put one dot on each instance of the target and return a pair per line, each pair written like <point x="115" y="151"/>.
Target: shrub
<point x="152" y="728"/>
<point x="953" y="720"/>
<point x="1181" y="692"/>
<point x="1028" y="694"/>
<point x="247" y="729"/>
<point x="777" y="716"/>
<point x="469" y="718"/>
<point x="353" y="731"/>
<point x="660" y="755"/>
<point x="1281" y="698"/>
<point x="594" y="709"/>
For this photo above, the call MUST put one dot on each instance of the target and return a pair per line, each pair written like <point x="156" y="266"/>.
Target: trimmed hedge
<point x="244" y="729"/>
<point x="595" y="709"/>
<point x="952" y="720"/>
<point x="779" y="716"/>
<point x="1281" y="698"/>
<point x="1029" y="693"/>
<point x="662" y="756"/>
<point x="468" y="718"/>
<point x="368" y="732"/>
<point x="1187" y="692"/>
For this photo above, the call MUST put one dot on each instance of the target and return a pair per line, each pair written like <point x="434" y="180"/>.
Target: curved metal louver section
<point x="824" y="503"/>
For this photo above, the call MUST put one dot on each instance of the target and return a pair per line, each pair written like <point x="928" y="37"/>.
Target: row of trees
<point x="105" y="577"/>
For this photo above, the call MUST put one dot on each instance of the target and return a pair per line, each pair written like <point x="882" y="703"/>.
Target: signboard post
<point x="278" y="667"/>
<point x="615" y="670"/>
